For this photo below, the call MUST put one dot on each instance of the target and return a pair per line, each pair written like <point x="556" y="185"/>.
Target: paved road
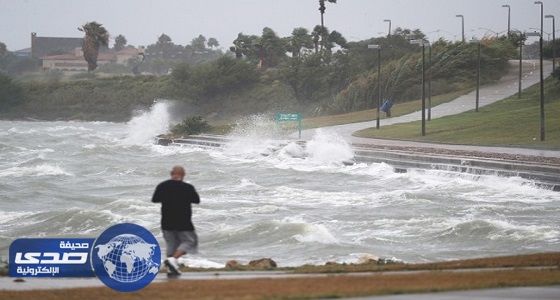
<point x="491" y="93"/>
<point x="521" y="293"/>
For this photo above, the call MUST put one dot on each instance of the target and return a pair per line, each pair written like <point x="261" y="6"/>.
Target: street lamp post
<point x="542" y="70"/>
<point x="462" y="26"/>
<point x="520" y="62"/>
<point x="423" y="44"/>
<point x="389" y="21"/>
<point x="430" y="82"/>
<point x="378" y="48"/>
<point x="509" y="18"/>
<point x="477" y="75"/>
<point x="520" y="67"/>
<point x="553" y="40"/>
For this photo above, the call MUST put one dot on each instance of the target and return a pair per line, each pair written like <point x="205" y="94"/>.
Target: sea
<point x="294" y="205"/>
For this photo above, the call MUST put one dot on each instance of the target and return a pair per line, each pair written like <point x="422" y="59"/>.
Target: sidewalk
<point x="491" y="93"/>
<point x="519" y="293"/>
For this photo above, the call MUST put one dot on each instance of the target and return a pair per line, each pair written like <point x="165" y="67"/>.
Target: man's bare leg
<point x="179" y="253"/>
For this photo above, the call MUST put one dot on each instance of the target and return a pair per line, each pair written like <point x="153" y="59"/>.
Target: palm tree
<point x="95" y="36"/>
<point x="120" y="42"/>
<point x="322" y="9"/>
<point x="300" y="39"/>
<point x="319" y="36"/>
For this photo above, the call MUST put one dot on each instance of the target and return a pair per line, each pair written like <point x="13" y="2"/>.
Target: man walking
<point x="176" y="197"/>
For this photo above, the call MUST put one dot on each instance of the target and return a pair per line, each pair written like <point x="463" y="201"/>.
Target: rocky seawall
<point x="545" y="171"/>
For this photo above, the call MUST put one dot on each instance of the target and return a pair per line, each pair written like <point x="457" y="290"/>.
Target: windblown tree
<point x="95" y="36"/>
<point x="335" y="38"/>
<point x="120" y="42"/>
<point x="199" y="43"/>
<point x="299" y="40"/>
<point x="243" y="46"/>
<point x="317" y="34"/>
<point x="270" y="48"/>
<point x="267" y="50"/>
<point x="322" y="9"/>
<point x="212" y="43"/>
<point x="3" y="49"/>
<point x="164" y="45"/>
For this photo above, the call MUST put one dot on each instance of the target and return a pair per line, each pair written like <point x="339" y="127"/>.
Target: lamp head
<point x="549" y="16"/>
<point x="459" y="16"/>
<point x="386" y="20"/>
<point x="539" y="2"/>
<point x="506" y="5"/>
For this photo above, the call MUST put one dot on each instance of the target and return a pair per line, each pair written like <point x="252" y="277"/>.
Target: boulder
<point x="232" y="264"/>
<point x="368" y="259"/>
<point x="390" y="261"/>
<point x="331" y="263"/>
<point x="266" y="263"/>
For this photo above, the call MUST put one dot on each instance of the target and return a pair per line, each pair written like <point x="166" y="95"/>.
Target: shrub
<point x="53" y="75"/>
<point x="556" y="73"/>
<point x="190" y="126"/>
<point x="10" y="94"/>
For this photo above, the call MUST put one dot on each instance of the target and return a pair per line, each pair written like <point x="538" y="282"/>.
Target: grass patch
<point x="339" y="285"/>
<point x="398" y="109"/>
<point x="512" y="122"/>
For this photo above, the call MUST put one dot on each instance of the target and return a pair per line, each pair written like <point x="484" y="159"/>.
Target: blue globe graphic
<point x="127" y="258"/>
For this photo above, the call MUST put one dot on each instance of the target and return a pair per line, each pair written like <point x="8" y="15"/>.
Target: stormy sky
<point x="142" y="21"/>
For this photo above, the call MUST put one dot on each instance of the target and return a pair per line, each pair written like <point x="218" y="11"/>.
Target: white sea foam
<point x="329" y="147"/>
<point x="40" y="170"/>
<point x="144" y="127"/>
<point x="315" y="233"/>
<point x="200" y="263"/>
<point x="261" y="197"/>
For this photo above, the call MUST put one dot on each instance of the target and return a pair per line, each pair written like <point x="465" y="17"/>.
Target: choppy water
<point x="73" y="179"/>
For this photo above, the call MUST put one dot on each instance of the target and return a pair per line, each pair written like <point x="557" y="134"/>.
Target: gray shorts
<point x="181" y="240"/>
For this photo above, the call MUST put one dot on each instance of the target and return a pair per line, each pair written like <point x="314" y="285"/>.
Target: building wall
<point x="68" y="65"/>
<point x="43" y="46"/>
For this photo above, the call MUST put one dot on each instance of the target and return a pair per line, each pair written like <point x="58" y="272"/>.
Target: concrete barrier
<point x="546" y="176"/>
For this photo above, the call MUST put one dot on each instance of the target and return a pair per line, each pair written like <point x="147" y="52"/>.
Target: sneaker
<point x="172" y="266"/>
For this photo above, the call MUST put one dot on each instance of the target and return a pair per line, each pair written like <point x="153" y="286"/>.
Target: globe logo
<point x="126" y="257"/>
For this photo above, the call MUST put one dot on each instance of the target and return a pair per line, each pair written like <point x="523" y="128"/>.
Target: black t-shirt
<point x="176" y="197"/>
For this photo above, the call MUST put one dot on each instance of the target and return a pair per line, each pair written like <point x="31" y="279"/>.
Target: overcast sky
<point x="142" y="21"/>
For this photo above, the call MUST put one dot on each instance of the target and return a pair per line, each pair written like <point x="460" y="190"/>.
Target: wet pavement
<point x="519" y="293"/>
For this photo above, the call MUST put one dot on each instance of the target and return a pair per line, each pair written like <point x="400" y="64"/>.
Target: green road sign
<point x="288" y="117"/>
<point x="281" y="117"/>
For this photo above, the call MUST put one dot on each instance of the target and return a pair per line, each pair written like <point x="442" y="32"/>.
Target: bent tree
<point x="95" y="36"/>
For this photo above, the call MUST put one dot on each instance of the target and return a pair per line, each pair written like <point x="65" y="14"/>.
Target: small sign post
<point x="283" y="117"/>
